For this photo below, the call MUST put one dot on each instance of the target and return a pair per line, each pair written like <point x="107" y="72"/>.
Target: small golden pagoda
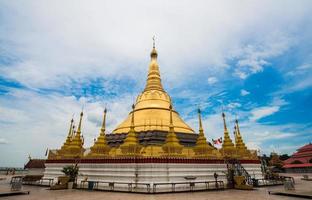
<point x="228" y="149"/>
<point x="202" y="148"/>
<point x="131" y="146"/>
<point x="172" y="146"/>
<point x="67" y="143"/>
<point x="75" y="149"/>
<point x="100" y="148"/>
<point x="241" y="149"/>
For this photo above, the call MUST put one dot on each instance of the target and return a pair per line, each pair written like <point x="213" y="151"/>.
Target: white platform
<point x="148" y="173"/>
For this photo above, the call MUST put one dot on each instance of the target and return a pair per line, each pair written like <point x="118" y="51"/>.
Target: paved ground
<point x="257" y="194"/>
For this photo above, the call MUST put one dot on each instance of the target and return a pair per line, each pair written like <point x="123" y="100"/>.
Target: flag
<point x="217" y="141"/>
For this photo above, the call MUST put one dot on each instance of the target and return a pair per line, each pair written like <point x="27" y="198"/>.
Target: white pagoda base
<point x="159" y="177"/>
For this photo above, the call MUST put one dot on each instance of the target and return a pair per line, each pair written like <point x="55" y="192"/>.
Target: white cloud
<point x="240" y="74"/>
<point x="3" y="141"/>
<point x="298" y="79"/>
<point x="253" y="145"/>
<point x="264" y="111"/>
<point x="244" y="92"/>
<point x="234" y="105"/>
<point x="253" y="57"/>
<point x="57" y="42"/>
<point x="33" y="122"/>
<point x="212" y="80"/>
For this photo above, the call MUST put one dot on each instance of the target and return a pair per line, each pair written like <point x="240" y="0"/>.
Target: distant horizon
<point x="251" y="59"/>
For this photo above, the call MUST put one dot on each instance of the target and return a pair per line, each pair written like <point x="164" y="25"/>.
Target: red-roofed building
<point x="301" y="161"/>
<point x="35" y="166"/>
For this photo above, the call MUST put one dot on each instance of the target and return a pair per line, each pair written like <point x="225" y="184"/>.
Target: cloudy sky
<point x="253" y="58"/>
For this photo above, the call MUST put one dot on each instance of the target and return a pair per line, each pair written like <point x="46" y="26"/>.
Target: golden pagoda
<point x="67" y="143"/>
<point x="100" y="148"/>
<point x="202" y="148"/>
<point x="131" y="146"/>
<point x="228" y="149"/>
<point x="153" y="146"/>
<point x="172" y="146"/>
<point x="152" y="129"/>
<point x="75" y="149"/>
<point x="241" y="149"/>
<point x="152" y="106"/>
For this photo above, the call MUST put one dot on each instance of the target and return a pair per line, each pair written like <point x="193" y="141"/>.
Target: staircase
<point x="264" y="166"/>
<point x="239" y="170"/>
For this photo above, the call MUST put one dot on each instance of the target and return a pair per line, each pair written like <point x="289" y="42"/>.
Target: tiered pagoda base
<point x="152" y="138"/>
<point x="159" y="174"/>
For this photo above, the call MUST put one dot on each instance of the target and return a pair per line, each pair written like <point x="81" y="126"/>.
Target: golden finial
<point x="73" y="132"/>
<point x="200" y="121"/>
<point x="132" y="119"/>
<point x="154" y="52"/>
<point x="224" y="123"/>
<point x="104" y="122"/>
<point x="237" y="126"/>
<point x="154" y="42"/>
<point x="132" y="116"/>
<point x="79" y="125"/>
<point x="171" y="122"/>
<point x="70" y="128"/>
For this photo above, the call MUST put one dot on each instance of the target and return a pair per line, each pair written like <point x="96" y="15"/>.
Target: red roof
<point x="297" y="165"/>
<point x="35" y="163"/>
<point x="302" y="158"/>
<point x="307" y="147"/>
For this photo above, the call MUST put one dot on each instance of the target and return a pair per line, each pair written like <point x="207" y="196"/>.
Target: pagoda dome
<point x="152" y="106"/>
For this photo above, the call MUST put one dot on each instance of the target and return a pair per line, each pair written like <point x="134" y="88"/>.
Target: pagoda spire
<point x="79" y="125"/>
<point x="240" y="142"/>
<point x="172" y="146"/>
<point x="73" y="132"/>
<point x="238" y="135"/>
<point x="224" y="122"/>
<point x="202" y="148"/>
<point x="201" y="130"/>
<point x="76" y="146"/>
<point x="100" y="147"/>
<point x="153" y="78"/>
<point x="67" y="144"/>
<point x="235" y="135"/>
<point x="68" y="139"/>
<point x="131" y="146"/>
<point x="70" y="128"/>
<point x="132" y="120"/>
<point x="103" y="123"/>
<point x="228" y="148"/>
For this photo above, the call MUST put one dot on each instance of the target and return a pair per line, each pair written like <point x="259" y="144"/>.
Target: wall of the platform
<point x="148" y="172"/>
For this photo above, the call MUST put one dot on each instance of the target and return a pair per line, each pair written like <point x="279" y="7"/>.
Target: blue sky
<point x="253" y="58"/>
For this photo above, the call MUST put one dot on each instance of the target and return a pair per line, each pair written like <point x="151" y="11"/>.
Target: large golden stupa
<point x="152" y="129"/>
<point x="153" y="148"/>
<point x="151" y="109"/>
